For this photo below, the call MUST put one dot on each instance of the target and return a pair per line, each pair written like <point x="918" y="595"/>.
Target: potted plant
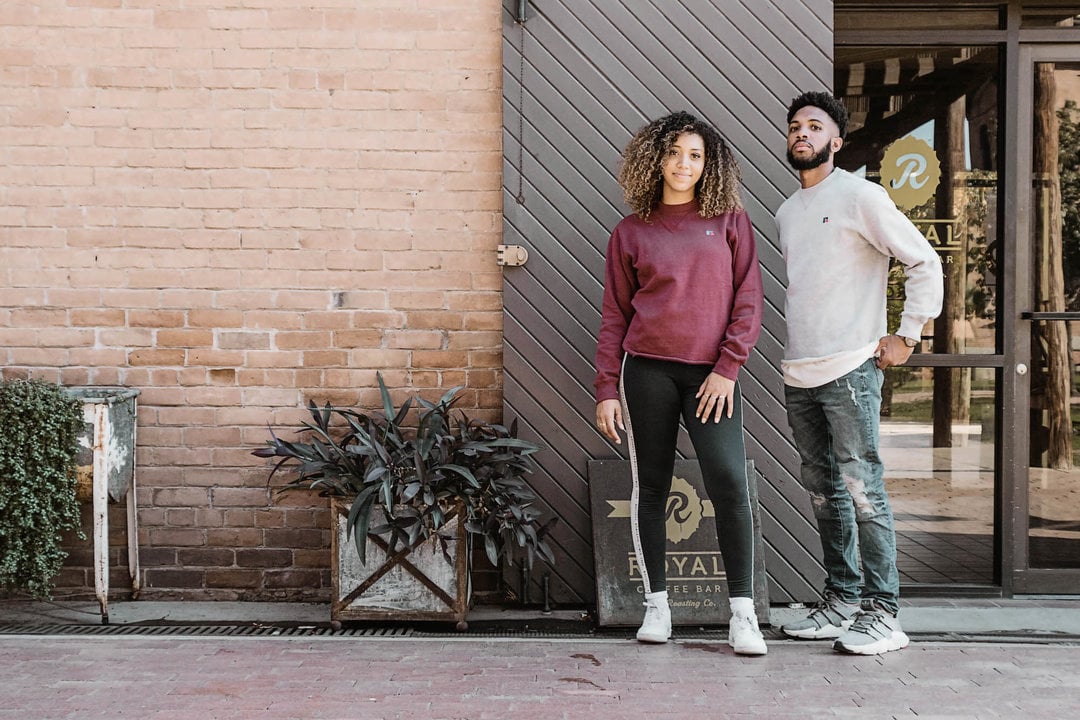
<point x="408" y="498"/>
<point x="39" y="431"/>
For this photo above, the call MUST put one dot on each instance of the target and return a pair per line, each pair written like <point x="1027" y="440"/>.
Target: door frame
<point x="1021" y="47"/>
<point x="1019" y="576"/>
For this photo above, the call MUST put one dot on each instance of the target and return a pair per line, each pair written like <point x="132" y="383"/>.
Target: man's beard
<point x="816" y="160"/>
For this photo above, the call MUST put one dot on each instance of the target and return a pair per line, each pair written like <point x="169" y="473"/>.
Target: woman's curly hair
<point x="641" y="173"/>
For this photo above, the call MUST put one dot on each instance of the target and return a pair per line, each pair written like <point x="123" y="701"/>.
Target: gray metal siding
<point x="594" y="72"/>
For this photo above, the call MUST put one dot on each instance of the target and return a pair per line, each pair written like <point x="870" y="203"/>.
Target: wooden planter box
<point x="411" y="584"/>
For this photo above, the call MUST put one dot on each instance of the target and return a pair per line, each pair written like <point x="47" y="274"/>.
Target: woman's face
<point x="683" y="164"/>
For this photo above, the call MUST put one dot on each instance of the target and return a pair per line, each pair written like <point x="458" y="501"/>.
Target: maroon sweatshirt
<point x="680" y="288"/>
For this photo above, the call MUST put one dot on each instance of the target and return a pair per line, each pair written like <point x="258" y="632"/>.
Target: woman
<point x="681" y="312"/>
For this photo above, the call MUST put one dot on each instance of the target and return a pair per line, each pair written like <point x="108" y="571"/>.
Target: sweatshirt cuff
<point x="910" y="327"/>
<point x="606" y="393"/>
<point x="727" y="367"/>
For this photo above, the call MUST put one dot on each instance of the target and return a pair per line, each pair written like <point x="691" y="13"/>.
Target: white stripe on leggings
<point x="635" y="528"/>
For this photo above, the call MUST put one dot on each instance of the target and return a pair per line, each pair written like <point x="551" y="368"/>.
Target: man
<point x="838" y="233"/>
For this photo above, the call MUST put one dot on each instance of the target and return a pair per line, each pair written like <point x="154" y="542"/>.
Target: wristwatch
<point x="910" y="342"/>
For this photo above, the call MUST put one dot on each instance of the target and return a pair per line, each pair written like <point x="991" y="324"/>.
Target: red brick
<point x="264" y="558"/>
<point x="296" y="538"/>
<point x="206" y="557"/>
<point x="187" y="537"/>
<point x="185" y="338"/>
<point x="244" y="497"/>
<point x="156" y="318"/>
<point x="174" y="578"/>
<point x="234" y="537"/>
<point x="221" y="201"/>
<point x="97" y="317"/>
<point x="171" y="497"/>
<point x="233" y="578"/>
<point x="185" y="517"/>
<point x="292" y="578"/>
<point x="156" y="357"/>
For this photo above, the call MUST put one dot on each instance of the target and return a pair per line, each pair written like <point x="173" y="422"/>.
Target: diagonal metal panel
<point x="593" y="72"/>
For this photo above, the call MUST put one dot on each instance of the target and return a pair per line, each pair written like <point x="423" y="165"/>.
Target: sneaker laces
<point x="825" y="606"/>
<point x="871" y="622"/>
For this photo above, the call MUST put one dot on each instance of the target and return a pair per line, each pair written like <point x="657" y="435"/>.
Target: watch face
<point x="910" y="342"/>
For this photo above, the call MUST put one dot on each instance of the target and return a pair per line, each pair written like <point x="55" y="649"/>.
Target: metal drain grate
<point x="325" y="631"/>
<point x="682" y="634"/>
<point x="433" y="631"/>
<point x="204" y="630"/>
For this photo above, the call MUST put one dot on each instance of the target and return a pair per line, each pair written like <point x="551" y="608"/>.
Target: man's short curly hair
<point x="641" y="173"/>
<point x="824" y="101"/>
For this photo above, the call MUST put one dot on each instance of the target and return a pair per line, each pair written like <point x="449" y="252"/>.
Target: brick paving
<point x="230" y="678"/>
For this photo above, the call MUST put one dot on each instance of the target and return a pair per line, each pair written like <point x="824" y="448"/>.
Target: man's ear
<point x="837" y="143"/>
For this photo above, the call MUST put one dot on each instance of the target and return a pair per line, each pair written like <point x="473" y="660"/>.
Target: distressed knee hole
<point x="857" y="489"/>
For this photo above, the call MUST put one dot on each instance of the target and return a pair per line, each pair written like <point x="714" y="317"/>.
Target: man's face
<point x="812" y="138"/>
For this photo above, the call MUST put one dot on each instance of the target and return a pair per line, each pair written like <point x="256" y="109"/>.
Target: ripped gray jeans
<point x="835" y="427"/>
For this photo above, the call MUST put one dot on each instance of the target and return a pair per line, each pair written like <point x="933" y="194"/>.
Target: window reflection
<point x="1050" y="17"/>
<point x="855" y="18"/>
<point x="924" y="124"/>
<point x="942" y="496"/>
<point x="941" y="106"/>
<point x="1054" y="476"/>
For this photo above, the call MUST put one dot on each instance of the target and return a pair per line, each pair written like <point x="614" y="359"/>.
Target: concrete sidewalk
<point x="1030" y="618"/>
<point x="472" y="678"/>
<point x="1002" y="659"/>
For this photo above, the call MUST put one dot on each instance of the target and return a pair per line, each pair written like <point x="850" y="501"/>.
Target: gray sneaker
<point x="829" y="619"/>
<point x="875" y="631"/>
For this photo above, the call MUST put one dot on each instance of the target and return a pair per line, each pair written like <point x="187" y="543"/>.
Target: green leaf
<point x="414" y="475"/>
<point x="492" y="550"/>
<point x="388" y="495"/>
<point x="388" y="405"/>
<point x="448" y="398"/>
<point x="359" y="519"/>
<point x="40" y="426"/>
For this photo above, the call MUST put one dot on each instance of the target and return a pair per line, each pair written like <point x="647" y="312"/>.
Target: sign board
<point x="910" y="172"/>
<point x="696" y="581"/>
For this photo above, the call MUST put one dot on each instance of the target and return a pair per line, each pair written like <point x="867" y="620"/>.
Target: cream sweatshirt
<point x="837" y="238"/>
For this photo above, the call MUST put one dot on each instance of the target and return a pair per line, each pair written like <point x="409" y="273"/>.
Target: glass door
<point x="924" y="124"/>
<point x="1046" y="511"/>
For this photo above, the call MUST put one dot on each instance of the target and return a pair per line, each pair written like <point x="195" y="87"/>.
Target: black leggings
<point x="656" y="393"/>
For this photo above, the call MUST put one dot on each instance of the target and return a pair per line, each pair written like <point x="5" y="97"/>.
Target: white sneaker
<point x="744" y="636"/>
<point x="829" y="618"/>
<point x="875" y="631"/>
<point x="656" y="627"/>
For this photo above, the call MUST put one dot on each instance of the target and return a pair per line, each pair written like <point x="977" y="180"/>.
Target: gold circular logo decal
<point x="684" y="510"/>
<point x="910" y="172"/>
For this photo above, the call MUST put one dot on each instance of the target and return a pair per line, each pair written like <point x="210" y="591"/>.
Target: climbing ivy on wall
<point x="39" y="433"/>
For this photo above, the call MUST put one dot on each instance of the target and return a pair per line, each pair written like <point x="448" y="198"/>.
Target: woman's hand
<point x="716" y="392"/>
<point x="608" y="418"/>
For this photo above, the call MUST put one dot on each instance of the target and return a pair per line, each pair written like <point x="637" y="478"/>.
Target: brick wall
<point x="235" y="206"/>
